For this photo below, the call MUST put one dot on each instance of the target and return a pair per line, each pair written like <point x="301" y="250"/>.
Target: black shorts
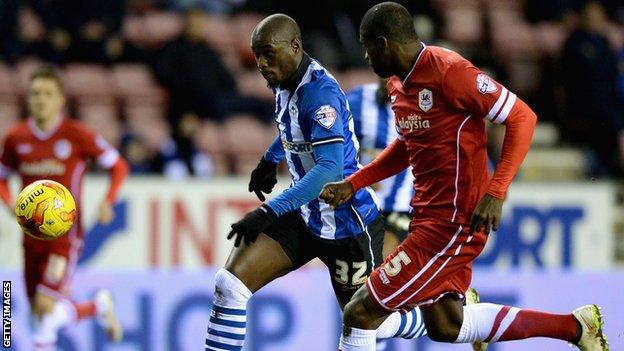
<point x="397" y="223"/>
<point x="349" y="260"/>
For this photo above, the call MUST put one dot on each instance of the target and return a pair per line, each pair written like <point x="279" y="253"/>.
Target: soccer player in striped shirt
<point x="315" y="137"/>
<point x="440" y="101"/>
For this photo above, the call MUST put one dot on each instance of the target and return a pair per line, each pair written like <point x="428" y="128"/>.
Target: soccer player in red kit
<point x="440" y="101"/>
<point x="50" y="146"/>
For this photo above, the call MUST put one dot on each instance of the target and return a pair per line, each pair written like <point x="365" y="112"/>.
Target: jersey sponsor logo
<point x="297" y="147"/>
<point x="62" y="149"/>
<point x="425" y="100"/>
<point x="23" y="149"/>
<point x="485" y="84"/>
<point x="413" y="122"/>
<point x="325" y="116"/>
<point x="46" y="167"/>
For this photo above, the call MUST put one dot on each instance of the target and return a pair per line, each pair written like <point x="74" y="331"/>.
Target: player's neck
<point x="407" y="59"/>
<point x="46" y="124"/>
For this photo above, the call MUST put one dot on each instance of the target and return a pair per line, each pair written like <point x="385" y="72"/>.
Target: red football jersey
<point x="60" y="154"/>
<point x="440" y="109"/>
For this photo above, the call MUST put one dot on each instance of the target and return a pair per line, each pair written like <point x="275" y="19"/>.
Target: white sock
<point x="408" y="326"/>
<point x="358" y="340"/>
<point x="227" y="326"/>
<point x="478" y="321"/>
<point x="46" y="328"/>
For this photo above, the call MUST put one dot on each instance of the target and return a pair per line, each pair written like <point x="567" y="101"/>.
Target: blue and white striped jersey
<point x="313" y="113"/>
<point x="375" y="129"/>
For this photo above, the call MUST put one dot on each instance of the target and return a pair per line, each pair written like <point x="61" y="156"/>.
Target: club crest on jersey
<point x="425" y="100"/>
<point x="485" y="84"/>
<point x="325" y="116"/>
<point x="292" y="110"/>
<point x="62" y="149"/>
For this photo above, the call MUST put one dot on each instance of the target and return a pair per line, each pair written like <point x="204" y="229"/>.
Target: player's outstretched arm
<point x="392" y="160"/>
<point x="118" y="172"/>
<point x="329" y="167"/>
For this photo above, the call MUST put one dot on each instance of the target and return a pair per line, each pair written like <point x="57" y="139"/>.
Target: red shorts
<point x="48" y="268"/>
<point x="434" y="260"/>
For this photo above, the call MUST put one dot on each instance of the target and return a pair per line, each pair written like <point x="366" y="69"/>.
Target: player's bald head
<point x="389" y="20"/>
<point x="276" y="43"/>
<point x="276" y="28"/>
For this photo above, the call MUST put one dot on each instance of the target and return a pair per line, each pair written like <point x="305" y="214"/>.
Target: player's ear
<point x="381" y="42"/>
<point x="295" y="45"/>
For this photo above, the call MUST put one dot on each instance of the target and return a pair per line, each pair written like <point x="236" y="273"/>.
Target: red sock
<point x="84" y="309"/>
<point x="530" y="323"/>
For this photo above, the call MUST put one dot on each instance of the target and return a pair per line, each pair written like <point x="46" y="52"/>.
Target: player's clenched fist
<point x="254" y="223"/>
<point x="337" y="193"/>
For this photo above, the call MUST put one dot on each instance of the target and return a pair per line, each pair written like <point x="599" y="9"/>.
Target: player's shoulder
<point x="319" y="84"/>
<point x="444" y="56"/>
<point x="18" y="130"/>
<point x="76" y="127"/>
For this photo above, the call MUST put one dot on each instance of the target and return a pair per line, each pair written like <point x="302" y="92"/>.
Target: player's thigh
<point x="275" y="253"/>
<point x="351" y="260"/>
<point x="48" y="269"/>
<point x="435" y="260"/>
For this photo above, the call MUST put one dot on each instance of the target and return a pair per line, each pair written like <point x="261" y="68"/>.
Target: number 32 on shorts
<point x="342" y="272"/>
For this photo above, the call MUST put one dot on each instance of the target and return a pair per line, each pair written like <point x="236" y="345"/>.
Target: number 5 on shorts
<point x="397" y="262"/>
<point x="342" y="272"/>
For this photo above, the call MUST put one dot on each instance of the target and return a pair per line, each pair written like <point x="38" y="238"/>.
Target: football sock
<point x="226" y="328"/>
<point x="358" y="340"/>
<point x="407" y="326"/>
<point x="489" y="322"/>
<point x="47" y="327"/>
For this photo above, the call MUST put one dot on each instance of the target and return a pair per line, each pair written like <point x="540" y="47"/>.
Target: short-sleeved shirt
<point x="316" y="113"/>
<point x="440" y="110"/>
<point x="374" y="128"/>
<point x="60" y="154"/>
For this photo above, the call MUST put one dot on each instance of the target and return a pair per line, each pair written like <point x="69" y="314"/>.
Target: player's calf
<point x="443" y="319"/>
<point x="360" y="321"/>
<point x="228" y="319"/>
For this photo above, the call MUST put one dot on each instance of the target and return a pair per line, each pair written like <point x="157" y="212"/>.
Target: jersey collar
<point x="292" y="82"/>
<point x="420" y="54"/>
<point x="43" y="135"/>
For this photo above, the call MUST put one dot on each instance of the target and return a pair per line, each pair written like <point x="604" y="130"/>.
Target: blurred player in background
<point x="373" y="120"/>
<point x="49" y="145"/>
<point x="316" y="139"/>
<point x="440" y="101"/>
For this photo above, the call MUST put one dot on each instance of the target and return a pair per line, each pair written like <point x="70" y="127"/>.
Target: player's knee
<point x="228" y="289"/>
<point x="42" y="304"/>
<point x="447" y="332"/>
